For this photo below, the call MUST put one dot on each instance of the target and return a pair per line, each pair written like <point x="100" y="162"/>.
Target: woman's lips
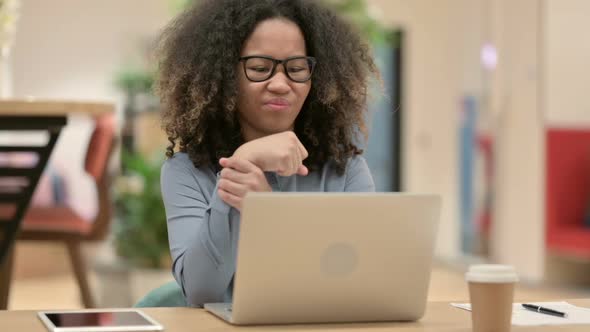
<point x="277" y="104"/>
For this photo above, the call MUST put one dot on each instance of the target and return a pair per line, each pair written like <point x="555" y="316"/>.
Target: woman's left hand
<point x="238" y="177"/>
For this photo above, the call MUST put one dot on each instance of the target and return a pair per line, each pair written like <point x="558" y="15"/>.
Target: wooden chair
<point x="62" y="224"/>
<point x="18" y="178"/>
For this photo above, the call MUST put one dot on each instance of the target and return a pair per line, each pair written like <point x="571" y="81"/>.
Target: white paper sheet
<point x="524" y="317"/>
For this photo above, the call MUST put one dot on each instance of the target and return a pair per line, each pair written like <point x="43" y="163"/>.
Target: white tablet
<point x="98" y="320"/>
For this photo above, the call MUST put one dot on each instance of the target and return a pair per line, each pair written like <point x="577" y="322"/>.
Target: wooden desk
<point x="440" y="316"/>
<point x="48" y="116"/>
<point x="44" y="107"/>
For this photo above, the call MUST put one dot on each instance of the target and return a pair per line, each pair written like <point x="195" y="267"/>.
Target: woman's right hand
<point x="282" y="153"/>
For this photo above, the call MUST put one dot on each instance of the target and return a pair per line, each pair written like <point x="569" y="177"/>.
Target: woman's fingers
<point x="302" y="150"/>
<point x="295" y="161"/>
<point x="299" y="167"/>
<point x="294" y="165"/>
<point x="234" y="188"/>
<point x="230" y="199"/>
<point x="302" y="170"/>
<point x="239" y="164"/>
<point x="291" y="165"/>
<point x="255" y="180"/>
<point x="233" y="175"/>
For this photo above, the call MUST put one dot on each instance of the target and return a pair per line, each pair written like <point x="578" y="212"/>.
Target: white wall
<point x="443" y="39"/>
<point x="543" y="82"/>
<point x="518" y="235"/>
<point x="567" y="62"/>
<point x="71" y="49"/>
<point x="442" y="65"/>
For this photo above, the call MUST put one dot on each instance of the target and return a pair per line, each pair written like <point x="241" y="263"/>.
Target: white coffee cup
<point x="491" y="292"/>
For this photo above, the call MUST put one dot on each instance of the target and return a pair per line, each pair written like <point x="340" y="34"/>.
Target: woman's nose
<point x="279" y="82"/>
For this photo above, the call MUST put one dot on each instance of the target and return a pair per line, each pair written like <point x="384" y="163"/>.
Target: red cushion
<point x="574" y="241"/>
<point x="100" y="145"/>
<point x="55" y="220"/>
<point x="568" y="190"/>
<point x="7" y="211"/>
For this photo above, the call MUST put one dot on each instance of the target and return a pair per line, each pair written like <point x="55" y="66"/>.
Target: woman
<point x="258" y="95"/>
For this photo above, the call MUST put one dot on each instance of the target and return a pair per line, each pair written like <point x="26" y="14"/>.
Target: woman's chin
<point x="278" y="130"/>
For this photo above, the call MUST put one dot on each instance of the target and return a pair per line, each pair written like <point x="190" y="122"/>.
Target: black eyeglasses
<point x="259" y="68"/>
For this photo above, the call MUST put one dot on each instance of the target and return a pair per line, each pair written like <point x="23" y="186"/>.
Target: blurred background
<point x="484" y="102"/>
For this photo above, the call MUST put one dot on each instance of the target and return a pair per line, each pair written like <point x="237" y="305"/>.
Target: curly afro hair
<point x="197" y="80"/>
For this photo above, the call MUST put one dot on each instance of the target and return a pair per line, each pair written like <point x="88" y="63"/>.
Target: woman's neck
<point x="250" y="134"/>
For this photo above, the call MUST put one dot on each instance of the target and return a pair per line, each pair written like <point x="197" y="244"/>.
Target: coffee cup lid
<point x="493" y="273"/>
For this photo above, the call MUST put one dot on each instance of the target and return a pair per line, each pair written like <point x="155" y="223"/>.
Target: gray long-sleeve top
<point x="203" y="230"/>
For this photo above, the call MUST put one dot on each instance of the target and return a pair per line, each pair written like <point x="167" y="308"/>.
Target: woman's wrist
<point x="245" y="153"/>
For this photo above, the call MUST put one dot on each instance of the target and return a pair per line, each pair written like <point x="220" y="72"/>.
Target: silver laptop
<point x="332" y="257"/>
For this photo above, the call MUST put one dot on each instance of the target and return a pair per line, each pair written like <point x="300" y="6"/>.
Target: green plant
<point x="140" y="232"/>
<point x="179" y="5"/>
<point x="357" y="12"/>
<point x="133" y="80"/>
